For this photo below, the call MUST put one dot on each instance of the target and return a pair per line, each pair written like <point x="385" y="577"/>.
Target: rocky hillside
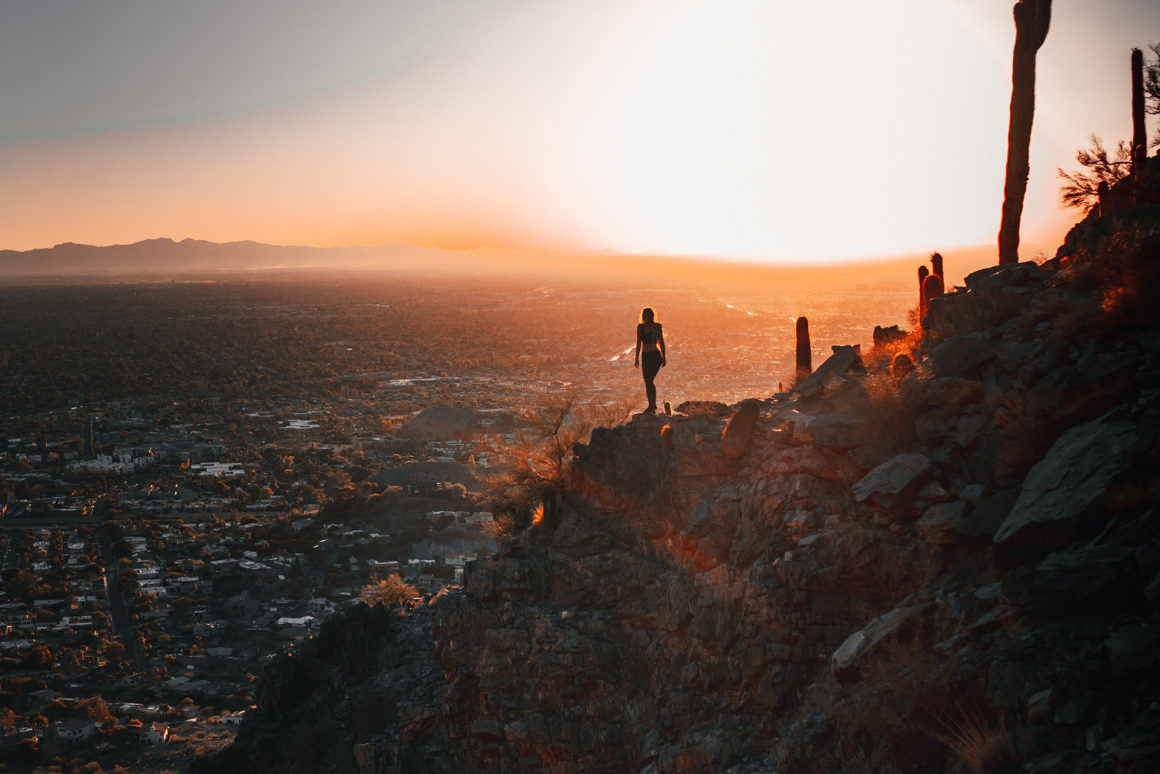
<point x="954" y="567"/>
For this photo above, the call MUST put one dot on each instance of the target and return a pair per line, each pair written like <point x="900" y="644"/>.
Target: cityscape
<point x="195" y="474"/>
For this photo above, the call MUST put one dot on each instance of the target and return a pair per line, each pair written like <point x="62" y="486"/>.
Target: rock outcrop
<point x="953" y="568"/>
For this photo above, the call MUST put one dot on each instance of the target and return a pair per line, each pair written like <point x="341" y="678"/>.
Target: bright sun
<point x="722" y="131"/>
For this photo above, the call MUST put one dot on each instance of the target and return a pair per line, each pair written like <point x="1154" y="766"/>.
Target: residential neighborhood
<point x="193" y="477"/>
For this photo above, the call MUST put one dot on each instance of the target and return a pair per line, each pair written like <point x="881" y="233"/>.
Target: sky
<point x="756" y="129"/>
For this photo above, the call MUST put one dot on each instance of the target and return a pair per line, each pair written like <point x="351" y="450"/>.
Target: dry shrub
<point x="1123" y="269"/>
<point x="894" y="405"/>
<point x="979" y="740"/>
<point x="1030" y="422"/>
<point x="881" y="355"/>
<point x="908" y="712"/>
<point x="391" y="591"/>
<point x="1067" y="317"/>
<point x="1026" y="433"/>
<point x="872" y="723"/>
<point x="541" y="456"/>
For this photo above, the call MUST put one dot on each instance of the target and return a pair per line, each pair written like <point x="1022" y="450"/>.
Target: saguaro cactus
<point x="1032" y="18"/>
<point x="1139" y="136"/>
<point x="932" y="287"/>
<point x="923" y="273"/>
<point x="805" y="363"/>
<point x="936" y="265"/>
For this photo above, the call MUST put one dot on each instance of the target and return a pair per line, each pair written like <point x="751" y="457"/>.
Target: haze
<point x="755" y="130"/>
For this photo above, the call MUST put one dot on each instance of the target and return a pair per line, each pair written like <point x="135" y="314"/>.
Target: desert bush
<point x="909" y="711"/>
<point x="541" y="456"/>
<point x="1121" y="263"/>
<point x="979" y="740"/>
<point x="391" y="591"/>
<point x="881" y="355"/>
<point x="894" y="405"/>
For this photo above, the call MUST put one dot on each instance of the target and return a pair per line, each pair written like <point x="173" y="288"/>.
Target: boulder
<point x="1085" y="577"/>
<point x="968" y="429"/>
<point x="738" y="433"/>
<point x="836" y="430"/>
<point x="844" y="661"/>
<point x="982" y="520"/>
<point x="963" y="355"/>
<point x="972" y="494"/>
<point x="900" y="477"/>
<point x="999" y="277"/>
<point x="1076" y="471"/>
<point x="1133" y="649"/>
<point x="703" y="408"/>
<point x="844" y="360"/>
<point x="952" y="393"/>
<point x="939" y="523"/>
<point x="888" y="335"/>
<point x="1040" y="705"/>
<point x="977" y="310"/>
<point x="871" y="455"/>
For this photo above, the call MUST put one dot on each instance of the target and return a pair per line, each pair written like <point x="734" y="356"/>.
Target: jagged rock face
<point x="961" y="570"/>
<point x="1081" y="465"/>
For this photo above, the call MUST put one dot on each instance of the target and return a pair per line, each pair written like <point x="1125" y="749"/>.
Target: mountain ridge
<point x="941" y="555"/>
<point x="165" y="258"/>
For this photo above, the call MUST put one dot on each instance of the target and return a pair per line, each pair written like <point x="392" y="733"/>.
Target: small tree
<point x="1081" y="189"/>
<point x="542" y="455"/>
<point x="114" y="652"/>
<point x="390" y="591"/>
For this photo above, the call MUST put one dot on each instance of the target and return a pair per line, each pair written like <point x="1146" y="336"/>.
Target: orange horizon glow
<point x="773" y="133"/>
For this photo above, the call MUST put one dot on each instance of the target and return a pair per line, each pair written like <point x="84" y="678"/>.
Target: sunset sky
<point x="758" y="129"/>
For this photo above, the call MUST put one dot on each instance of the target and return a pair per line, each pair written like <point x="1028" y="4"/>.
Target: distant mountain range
<point x="157" y="259"/>
<point x="165" y="257"/>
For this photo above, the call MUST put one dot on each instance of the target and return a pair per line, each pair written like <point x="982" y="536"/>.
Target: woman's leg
<point x="650" y="364"/>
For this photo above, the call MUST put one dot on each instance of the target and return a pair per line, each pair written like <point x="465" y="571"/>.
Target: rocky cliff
<point x="954" y="567"/>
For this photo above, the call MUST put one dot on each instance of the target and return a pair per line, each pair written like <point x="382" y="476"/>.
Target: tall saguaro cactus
<point x="1032" y="18"/>
<point x="1139" y="136"/>
<point x="805" y="364"/>
<point x="936" y="265"/>
<point x="932" y="287"/>
<point x="923" y="273"/>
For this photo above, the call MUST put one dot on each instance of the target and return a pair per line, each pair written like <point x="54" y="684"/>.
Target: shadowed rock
<point x="988" y="514"/>
<point x="845" y="359"/>
<point x="888" y="335"/>
<point x="698" y="408"/>
<point x="845" y="660"/>
<point x="939" y="523"/>
<point x="999" y="277"/>
<point x="738" y="433"/>
<point x="963" y="355"/>
<point x="899" y="477"/>
<point x="1077" y="471"/>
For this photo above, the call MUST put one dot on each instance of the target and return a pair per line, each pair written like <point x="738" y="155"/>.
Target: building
<point x="155" y="733"/>
<point x="74" y="730"/>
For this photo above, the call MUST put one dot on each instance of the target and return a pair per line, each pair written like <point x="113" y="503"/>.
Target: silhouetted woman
<point x="650" y="347"/>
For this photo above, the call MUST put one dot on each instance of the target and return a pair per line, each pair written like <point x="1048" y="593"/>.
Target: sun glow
<point x="743" y="133"/>
<point x="725" y="128"/>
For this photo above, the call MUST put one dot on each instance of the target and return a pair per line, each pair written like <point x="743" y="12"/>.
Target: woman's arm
<point x="661" y="344"/>
<point x="637" y="361"/>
